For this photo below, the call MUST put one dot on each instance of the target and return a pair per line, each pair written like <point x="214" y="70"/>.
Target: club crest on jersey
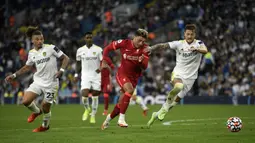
<point x="44" y="54"/>
<point x="94" y="53"/>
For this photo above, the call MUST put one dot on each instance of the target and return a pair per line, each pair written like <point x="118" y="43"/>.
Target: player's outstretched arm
<point x="21" y="71"/>
<point x="159" y="46"/>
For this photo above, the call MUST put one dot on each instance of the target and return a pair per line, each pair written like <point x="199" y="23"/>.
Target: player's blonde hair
<point x="33" y="31"/>
<point x="142" y="32"/>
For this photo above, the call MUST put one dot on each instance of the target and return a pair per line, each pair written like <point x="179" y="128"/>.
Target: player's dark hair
<point x="33" y="31"/>
<point x="88" y="33"/>
<point x="190" y="27"/>
<point x="141" y="32"/>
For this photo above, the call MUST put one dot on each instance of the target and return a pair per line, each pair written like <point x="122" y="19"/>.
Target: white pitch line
<point x="168" y="123"/>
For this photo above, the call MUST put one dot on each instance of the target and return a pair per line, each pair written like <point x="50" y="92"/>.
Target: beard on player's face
<point x="189" y="36"/>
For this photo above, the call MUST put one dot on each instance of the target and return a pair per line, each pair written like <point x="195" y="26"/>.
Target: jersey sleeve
<point x="174" y="45"/>
<point x="57" y="52"/>
<point x="30" y="62"/>
<point x="78" y="56"/>
<point x="201" y="43"/>
<point x="118" y="44"/>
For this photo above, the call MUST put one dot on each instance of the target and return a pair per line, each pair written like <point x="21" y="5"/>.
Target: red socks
<point x="115" y="111"/>
<point x="122" y="108"/>
<point x="125" y="102"/>
<point x="106" y="101"/>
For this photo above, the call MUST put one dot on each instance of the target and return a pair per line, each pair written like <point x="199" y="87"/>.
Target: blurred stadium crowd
<point x="226" y="27"/>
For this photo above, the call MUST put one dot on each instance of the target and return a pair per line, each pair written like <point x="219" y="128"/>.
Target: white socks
<point x="122" y="117"/>
<point x="85" y="102"/>
<point x="33" y="108"/>
<point x="139" y="101"/>
<point x="168" y="106"/>
<point x="94" y="105"/>
<point x="46" y="119"/>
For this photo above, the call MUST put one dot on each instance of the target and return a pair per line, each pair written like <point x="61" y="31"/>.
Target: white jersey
<point x="187" y="62"/>
<point x="45" y="60"/>
<point x="90" y="61"/>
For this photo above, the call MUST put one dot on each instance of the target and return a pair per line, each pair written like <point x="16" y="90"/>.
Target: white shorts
<point x="91" y="84"/>
<point x="188" y="83"/>
<point x="48" y="93"/>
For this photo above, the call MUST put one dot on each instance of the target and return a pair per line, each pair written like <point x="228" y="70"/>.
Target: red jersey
<point x="131" y="63"/>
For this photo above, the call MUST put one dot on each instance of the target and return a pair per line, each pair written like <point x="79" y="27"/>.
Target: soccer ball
<point x="234" y="124"/>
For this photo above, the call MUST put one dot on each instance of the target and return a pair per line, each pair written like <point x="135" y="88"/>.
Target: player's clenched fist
<point x="10" y="78"/>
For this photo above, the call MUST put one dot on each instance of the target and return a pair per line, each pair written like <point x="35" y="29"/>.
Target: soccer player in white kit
<point x="88" y="59"/>
<point x="188" y="57"/>
<point x="44" y="58"/>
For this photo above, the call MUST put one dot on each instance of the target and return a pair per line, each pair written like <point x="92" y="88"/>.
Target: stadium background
<point x="227" y="72"/>
<point x="226" y="27"/>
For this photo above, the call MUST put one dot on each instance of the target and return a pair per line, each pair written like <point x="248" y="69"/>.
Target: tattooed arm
<point x="21" y="71"/>
<point x="159" y="46"/>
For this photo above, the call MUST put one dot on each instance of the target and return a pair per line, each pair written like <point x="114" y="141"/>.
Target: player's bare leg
<point x="85" y="101"/>
<point x="28" y="102"/>
<point x="94" y="105"/>
<point x="46" y="118"/>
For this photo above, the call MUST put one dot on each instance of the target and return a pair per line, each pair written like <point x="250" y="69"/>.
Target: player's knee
<point x="130" y="91"/>
<point x="179" y="86"/>
<point x="85" y="93"/>
<point x="26" y="102"/>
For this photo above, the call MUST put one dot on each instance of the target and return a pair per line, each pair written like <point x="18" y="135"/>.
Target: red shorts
<point x="122" y="79"/>
<point x="105" y="85"/>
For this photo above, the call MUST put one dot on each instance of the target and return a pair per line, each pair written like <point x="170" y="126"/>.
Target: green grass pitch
<point x="183" y="124"/>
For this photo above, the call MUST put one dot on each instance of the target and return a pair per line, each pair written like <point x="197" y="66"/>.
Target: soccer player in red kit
<point x="134" y="59"/>
<point x="106" y="85"/>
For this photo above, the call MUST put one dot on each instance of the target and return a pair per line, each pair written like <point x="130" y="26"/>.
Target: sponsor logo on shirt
<point x="44" y="60"/>
<point x="189" y="54"/>
<point x="90" y="58"/>
<point x="132" y="58"/>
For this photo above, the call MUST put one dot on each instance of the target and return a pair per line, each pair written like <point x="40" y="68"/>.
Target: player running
<point x="188" y="57"/>
<point x="134" y="59"/>
<point x="46" y="81"/>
